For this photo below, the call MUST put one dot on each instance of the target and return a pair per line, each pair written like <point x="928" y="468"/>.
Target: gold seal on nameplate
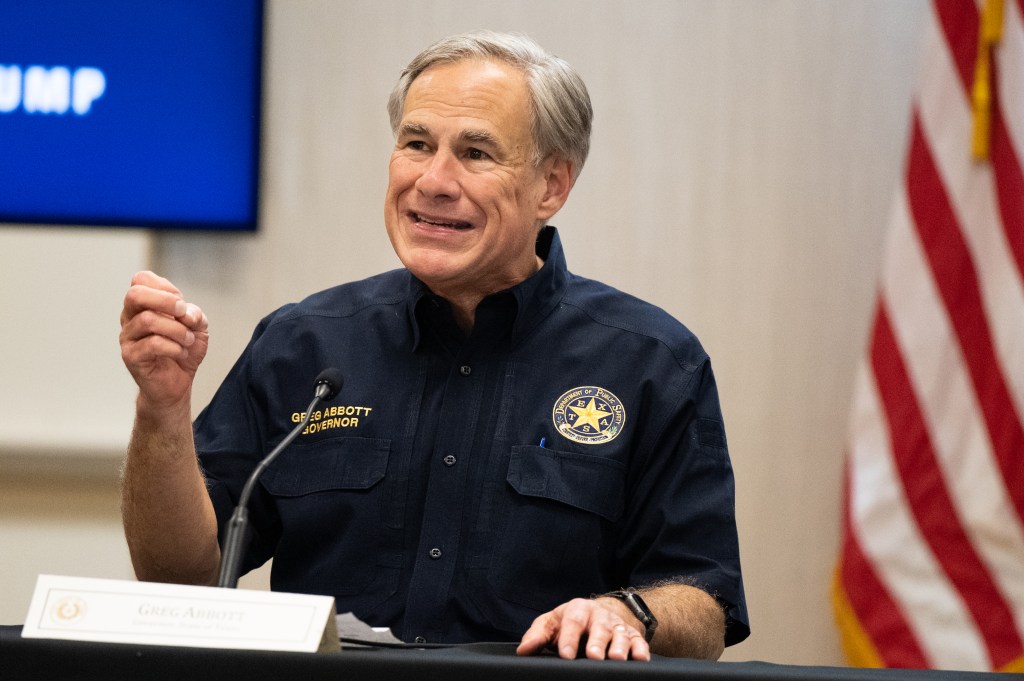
<point x="68" y="609"/>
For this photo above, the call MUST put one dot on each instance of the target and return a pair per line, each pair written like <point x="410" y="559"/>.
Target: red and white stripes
<point x="932" y="566"/>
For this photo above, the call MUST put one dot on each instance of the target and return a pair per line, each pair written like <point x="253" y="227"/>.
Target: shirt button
<point x="420" y="639"/>
<point x="449" y="460"/>
<point x="435" y="553"/>
<point x="465" y="370"/>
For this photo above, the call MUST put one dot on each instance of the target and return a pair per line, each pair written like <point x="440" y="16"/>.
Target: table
<point x="39" y="660"/>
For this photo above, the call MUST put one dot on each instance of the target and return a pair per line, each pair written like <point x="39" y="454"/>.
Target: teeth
<point x="453" y="225"/>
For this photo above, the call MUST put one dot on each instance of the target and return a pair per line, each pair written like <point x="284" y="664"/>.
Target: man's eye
<point x="417" y="145"/>
<point x="476" y="155"/>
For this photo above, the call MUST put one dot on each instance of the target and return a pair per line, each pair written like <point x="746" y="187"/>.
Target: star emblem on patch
<point x="589" y="415"/>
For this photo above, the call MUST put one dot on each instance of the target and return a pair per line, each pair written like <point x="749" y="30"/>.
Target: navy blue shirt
<point x="459" y="486"/>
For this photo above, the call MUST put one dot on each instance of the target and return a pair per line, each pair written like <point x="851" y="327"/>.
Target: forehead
<point x="473" y="92"/>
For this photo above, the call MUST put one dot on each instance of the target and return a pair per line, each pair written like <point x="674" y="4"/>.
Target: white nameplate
<point x="115" y="611"/>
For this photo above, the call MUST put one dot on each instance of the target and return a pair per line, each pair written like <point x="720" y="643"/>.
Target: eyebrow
<point x="480" y="137"/>
<point x="472" y="136"/>
<point x="413" y="129"/>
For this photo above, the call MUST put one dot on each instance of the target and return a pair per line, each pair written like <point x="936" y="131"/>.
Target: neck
<point x="464" y="303"/>
<point x="464" y="313"/>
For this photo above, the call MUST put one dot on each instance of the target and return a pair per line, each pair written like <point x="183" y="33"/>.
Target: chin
<point x="430" y="266"/>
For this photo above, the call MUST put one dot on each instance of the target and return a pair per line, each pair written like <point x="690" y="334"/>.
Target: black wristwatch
<point x="639" y="609"/>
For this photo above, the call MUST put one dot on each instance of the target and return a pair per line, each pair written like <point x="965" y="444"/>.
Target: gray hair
<point x="562" y="113"/>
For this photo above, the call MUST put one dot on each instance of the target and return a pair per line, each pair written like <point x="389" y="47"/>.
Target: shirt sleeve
<point x="680" y="523"/>
<point x="230" y="441"/>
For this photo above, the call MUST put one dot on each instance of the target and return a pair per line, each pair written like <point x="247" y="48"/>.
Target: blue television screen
<point x="141" y="113"/>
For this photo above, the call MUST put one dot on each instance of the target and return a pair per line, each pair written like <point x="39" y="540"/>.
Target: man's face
<point x="464" y="198"/>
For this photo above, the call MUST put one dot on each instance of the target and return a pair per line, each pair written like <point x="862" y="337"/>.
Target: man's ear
<point x="558" y="177"/>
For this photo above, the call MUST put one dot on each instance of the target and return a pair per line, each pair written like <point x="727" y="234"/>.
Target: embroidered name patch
<point x="330" y="418"/>
<point x="589" y="415"/>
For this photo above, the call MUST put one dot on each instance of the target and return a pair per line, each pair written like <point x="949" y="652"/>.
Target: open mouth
<point x="437" y="222"/>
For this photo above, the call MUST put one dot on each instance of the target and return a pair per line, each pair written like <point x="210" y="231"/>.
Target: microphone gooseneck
<point x="327" y="385"/>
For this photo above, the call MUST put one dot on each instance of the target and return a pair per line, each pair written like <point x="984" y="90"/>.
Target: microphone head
<point x="328" y="384"/>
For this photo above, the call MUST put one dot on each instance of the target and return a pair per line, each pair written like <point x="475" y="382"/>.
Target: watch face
<point x="642" y="613"/>
<point x="638" y="606"/>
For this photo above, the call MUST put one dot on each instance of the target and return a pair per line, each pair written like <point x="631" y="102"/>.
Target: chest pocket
<point x="336" y="464"/>
<point x="589" y="483"/>
<point x="336" y="537"/>
<point x="556" y="539"/>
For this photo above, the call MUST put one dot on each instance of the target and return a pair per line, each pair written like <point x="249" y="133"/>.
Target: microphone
<point x="327" y="385"/>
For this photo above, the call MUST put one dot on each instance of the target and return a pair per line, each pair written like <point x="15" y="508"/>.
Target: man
<point x="511" y="439"/>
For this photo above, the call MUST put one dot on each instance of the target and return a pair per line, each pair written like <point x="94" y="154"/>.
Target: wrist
<point x="630" y="601"/>
<point x="621" y="608"/>
<point x="152" y="410"/>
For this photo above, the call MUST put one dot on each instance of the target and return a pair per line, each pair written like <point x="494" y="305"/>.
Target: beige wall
<point x="743" y="162"/>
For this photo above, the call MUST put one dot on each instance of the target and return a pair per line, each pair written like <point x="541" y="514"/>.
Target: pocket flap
<point x="589" y="483"/>
<point x="337" y="463"/>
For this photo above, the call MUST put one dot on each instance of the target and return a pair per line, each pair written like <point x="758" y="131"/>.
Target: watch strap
<point x="639" y="608"/>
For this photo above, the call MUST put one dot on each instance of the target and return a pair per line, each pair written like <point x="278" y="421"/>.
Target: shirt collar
<point x="540" y="294"/>
<point x="534" y="298"/>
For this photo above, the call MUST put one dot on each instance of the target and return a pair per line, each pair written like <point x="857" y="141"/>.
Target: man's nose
<point x="440" y="177"/>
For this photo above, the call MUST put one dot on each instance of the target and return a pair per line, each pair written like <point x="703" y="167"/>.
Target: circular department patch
<point x="589" y="415"/>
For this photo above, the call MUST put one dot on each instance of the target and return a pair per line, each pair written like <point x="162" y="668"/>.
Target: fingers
<point x="152" y="293"/>
<point x="576" y="620"/>
<point x="608" y="635"/>
<point x="149" y="291"/>
<point x="166" y="336"/>
<point x="157" y="324"/>
<point x="616" y="642"/>
<point x="539" y="635"/>
<point x="605" y="633"/>
<point x="154" y="280"/>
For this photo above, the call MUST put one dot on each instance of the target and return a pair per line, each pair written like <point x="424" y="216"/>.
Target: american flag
<point x="931" y="570"/>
